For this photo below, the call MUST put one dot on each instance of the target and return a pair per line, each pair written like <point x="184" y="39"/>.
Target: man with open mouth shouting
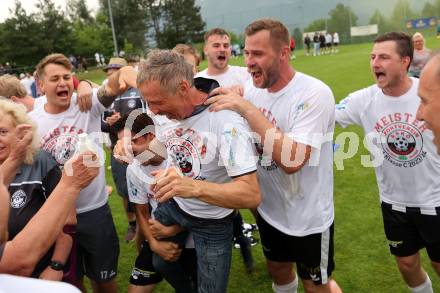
<point x="408" y="173"/>
<point x="291" y="112"/>
<point x="218" y="51"/>
<point x="60" y="122"/>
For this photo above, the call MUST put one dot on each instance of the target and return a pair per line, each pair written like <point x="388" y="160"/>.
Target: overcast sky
<point x="29" y="6"/>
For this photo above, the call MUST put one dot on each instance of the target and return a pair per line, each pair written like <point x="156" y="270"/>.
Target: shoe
<point x="131" y="233"/>
<point x="253" y="241"/>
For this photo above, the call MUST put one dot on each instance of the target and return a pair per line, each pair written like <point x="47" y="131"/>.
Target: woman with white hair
<point x="421" y="55"/>
<point x="33" y="182"/>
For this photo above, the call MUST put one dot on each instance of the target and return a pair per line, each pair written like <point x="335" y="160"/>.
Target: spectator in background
<point x="307" y="42"/>
<point x="122" y="106"/>
<point x="322" y="43"/>
<point x="421" y="55"/>
<point x="102" y="59"/>
<point x="292" y="48"/>
<point x="74" y="61"/>
<point x="11" y="88"/>
<point x="328" y="42"/>
<point x="190" y="55"/>
<point x="335" y="42"/>
<point x="316" y="44"/>
<point x="98" y="59"/>
<point x="26" y="80"/>
<point x="36" y="91"/>
<point x="84" y="64"/>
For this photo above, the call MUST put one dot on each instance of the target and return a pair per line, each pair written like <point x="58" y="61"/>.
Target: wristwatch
<point x="57" y="266"/>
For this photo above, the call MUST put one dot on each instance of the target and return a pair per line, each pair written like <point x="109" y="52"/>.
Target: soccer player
<point x="408" y="176"/>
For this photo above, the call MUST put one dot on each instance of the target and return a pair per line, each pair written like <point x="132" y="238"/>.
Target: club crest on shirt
<point x="185" y="155"/>
<point x="187" y="148"/>
<point x="131" y="103"/>
<point x="61" y="143"/>
<point x="18" y="199"/>
<point x="404" y="144"/>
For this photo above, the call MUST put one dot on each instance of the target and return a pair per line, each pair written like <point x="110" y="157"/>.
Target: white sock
<point x="288" y="288"/>
<point x="424" y="288"/>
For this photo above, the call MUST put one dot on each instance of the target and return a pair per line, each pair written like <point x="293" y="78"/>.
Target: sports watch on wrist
<point x="56" y="265"/>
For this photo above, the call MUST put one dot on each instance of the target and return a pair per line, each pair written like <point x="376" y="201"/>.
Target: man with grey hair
<point x="429" y="89"/>
<point x="213" y="169"/>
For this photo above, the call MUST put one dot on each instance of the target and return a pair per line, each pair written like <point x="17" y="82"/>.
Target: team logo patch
<point x="186" y="156"/>
<point x="62" y="147"/>
<point x="131" y="104"/>
<point x="404" y="144"/>
<point x="18" y="199"/>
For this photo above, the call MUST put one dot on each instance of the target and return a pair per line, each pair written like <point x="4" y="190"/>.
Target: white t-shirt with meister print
<point x="410" y="171"/>
<point x="59" y="137"/>
<point x="298" y="204"/>
<point x="211" y="146"/>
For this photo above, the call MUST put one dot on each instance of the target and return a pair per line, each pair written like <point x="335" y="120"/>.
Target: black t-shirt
<point x="124" y="104"/>
<point x="29" y="190"/>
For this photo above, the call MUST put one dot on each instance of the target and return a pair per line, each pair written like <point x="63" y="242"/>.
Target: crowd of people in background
<point x="183" y="212"/>
<point x="321" y="43"/>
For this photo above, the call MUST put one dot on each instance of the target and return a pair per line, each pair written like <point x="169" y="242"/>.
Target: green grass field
<point x="363" y="261"/>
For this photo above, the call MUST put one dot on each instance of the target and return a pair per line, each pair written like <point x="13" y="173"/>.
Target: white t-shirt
<point x="298" y="204"/>
<point x="59" y="136"/>
<point x="235" y="75"/>
<point x="40" y="102"/>
<point x="16" y="284"/>
<point x="27" y="83"/>
<point x="335" y="38"/>
<point x="410" y="172"/>
<point x="211" y="146"/>
<point x="328" y="38"/>
<point x="139" y="181"/>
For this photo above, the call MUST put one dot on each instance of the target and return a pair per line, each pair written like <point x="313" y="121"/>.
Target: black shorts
<point x="143" y="273"/>
<point x="335" y="44"/>
<point x="329" y="45"/>
<point x="119" y="173"/>
<point x="97" y="245"/>
<point x="407" y="232"/>
<point x="313" y="254"/>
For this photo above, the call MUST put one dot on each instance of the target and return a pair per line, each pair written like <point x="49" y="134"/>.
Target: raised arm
<point x="117" y="84"/>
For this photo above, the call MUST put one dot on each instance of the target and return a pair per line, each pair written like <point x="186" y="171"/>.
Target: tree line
<point x="342" y="16"/>
<point x="139" y="24"/>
